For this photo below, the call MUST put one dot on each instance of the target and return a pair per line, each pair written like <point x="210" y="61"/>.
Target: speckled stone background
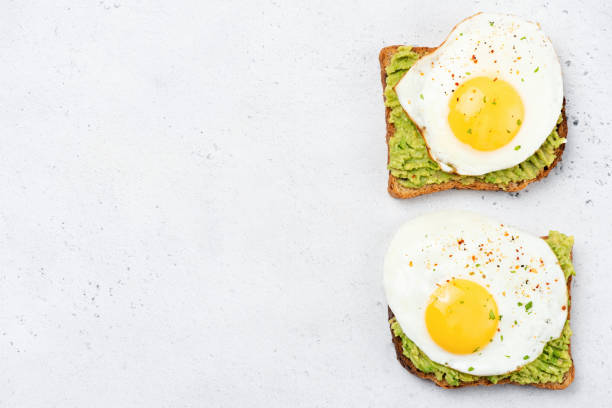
<point x="193" y="207"/>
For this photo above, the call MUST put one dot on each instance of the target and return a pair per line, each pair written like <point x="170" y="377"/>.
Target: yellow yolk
<point x="461" y="316"/>
<point x="485" y="113"/>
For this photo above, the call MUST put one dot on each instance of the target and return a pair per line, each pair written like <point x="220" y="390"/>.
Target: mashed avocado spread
<point x="549" y="367"/>
<point x="409" y="161"/>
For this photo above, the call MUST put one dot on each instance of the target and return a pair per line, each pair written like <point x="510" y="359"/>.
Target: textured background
<point x="194" y="210"/>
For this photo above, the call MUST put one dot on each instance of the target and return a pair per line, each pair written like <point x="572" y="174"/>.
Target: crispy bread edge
<point x="407" y="364"/>
<point x="398" y="191"/>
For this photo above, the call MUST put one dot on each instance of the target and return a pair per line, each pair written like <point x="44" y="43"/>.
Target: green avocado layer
<point x="550" y="367"/>
<point x="409" y="161"/>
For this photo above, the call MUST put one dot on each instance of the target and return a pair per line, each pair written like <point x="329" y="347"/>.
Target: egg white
<point x="430" y="239"/>
<point x="426" y="88"/>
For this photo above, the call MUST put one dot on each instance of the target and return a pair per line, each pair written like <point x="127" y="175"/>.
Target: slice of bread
<point x="399" y="191"/>
<point x="407" y="364"/>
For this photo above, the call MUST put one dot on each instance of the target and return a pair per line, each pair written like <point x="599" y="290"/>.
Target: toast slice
<point x="398" y="191"/>
<point x="408" y="365"/>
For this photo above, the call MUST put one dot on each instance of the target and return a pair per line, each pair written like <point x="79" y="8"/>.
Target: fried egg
<point x="474" y="294"/>
<point x="488" y="97"/>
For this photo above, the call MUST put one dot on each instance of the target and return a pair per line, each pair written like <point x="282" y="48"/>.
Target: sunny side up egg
<point x="488" y="97"/>
<point x="474" y="294"/>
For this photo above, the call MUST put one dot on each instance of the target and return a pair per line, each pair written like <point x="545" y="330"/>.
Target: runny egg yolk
<point x="461" y="316"/>
<point x="485" y="113"/>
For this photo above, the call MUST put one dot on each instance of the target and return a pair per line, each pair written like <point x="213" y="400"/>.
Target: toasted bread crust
<point x="399" y="191"/>
<point x="407" y="364"/>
